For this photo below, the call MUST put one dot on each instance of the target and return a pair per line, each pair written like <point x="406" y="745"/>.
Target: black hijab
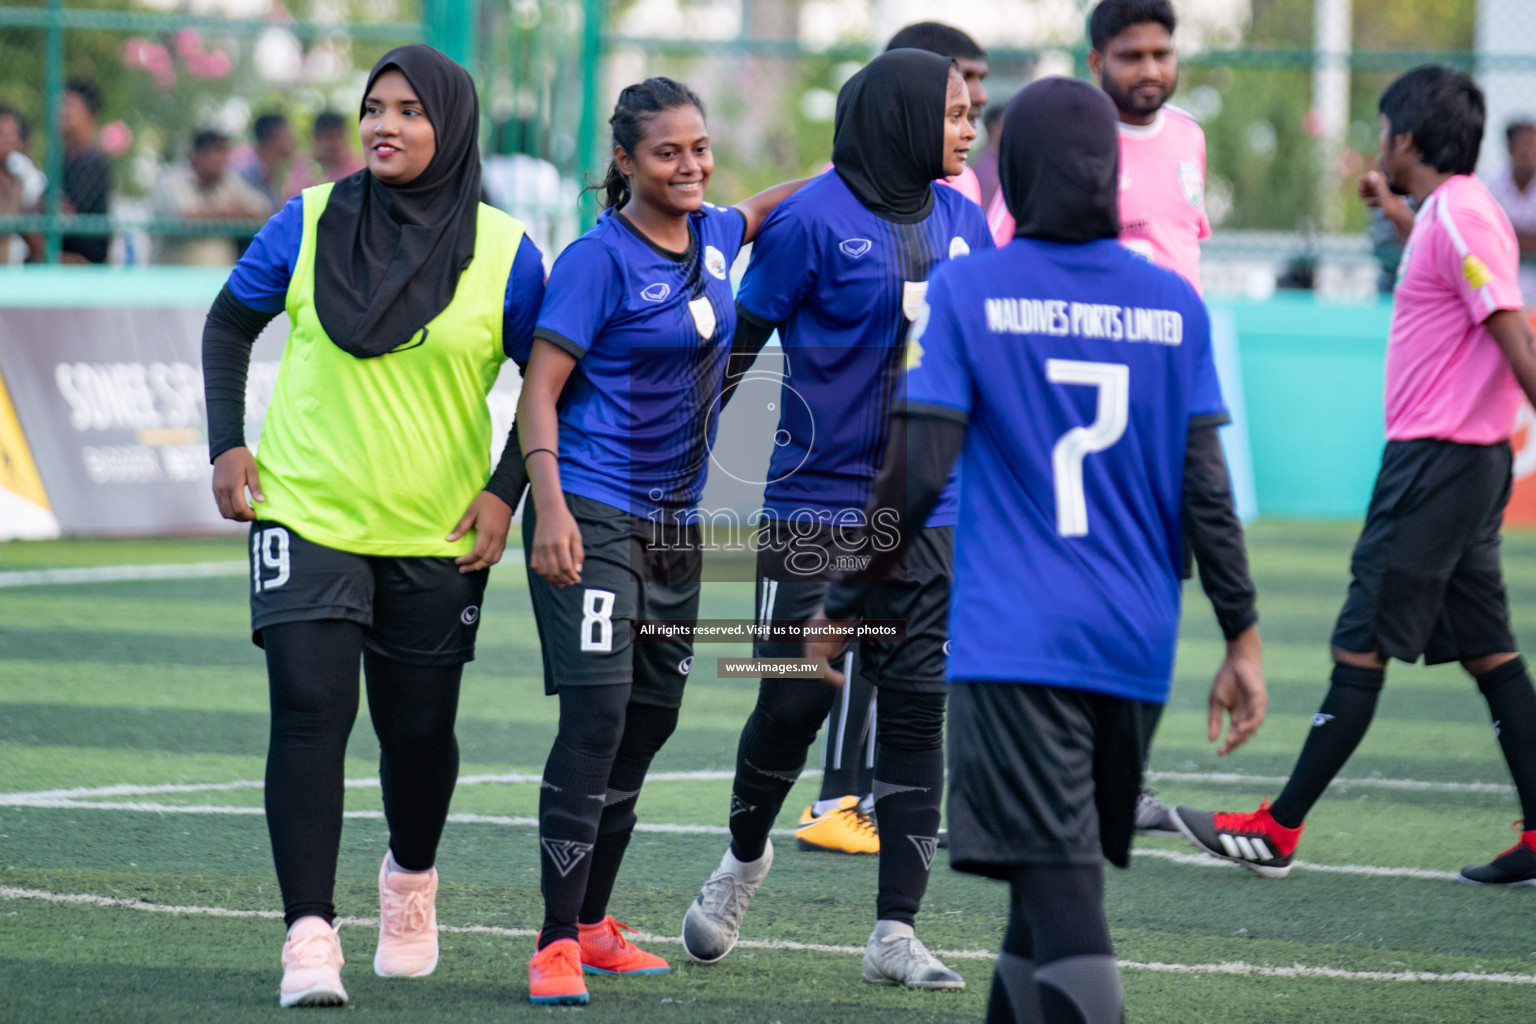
<point x="388" y="258"/>
<point x="1059" y="162"/>
<point x="888" y="139"/>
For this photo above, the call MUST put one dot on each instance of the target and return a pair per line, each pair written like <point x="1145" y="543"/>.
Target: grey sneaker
<point x="1152" y="817"/>
<point x="713" y="921"/>
<point x="895" y="956"/>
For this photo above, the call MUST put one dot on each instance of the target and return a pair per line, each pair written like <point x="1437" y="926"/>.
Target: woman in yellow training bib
<point x="375" y="516"/>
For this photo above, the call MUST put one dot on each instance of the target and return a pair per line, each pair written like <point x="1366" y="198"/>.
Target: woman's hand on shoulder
<point x="234" y="472"/>
<point x="490" y="518"/>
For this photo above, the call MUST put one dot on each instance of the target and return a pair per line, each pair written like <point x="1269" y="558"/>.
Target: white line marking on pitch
<point x="1418" y="785"/>
<point x="164" y="571"/>
<point x="1229" y="967"/>
<point x="665" y="828"/>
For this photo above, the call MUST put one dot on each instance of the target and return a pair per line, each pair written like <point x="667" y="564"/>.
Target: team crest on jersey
<point x="855" y="247"/>
<point x="1193" y="184"/>
<point x="958" y="248"/>
<point x="913" y="295"/>
<point x="703" y="316"/>
<point x="714" y="262"/>
<point x="914" y="356"/>
<point x="656" y="292"/>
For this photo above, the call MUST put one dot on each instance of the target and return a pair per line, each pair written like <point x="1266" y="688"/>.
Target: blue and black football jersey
<point x="1080" y="369"/>
<point x="846" y="283"/>
<point x="652" y="331"/>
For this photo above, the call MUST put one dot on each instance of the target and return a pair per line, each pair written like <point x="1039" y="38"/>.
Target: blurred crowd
<point x="219" y="179"/>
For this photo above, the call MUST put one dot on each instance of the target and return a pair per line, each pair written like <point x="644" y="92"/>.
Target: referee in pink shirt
<point x="1427" y="579"/>
<point x="1162" y="148"/>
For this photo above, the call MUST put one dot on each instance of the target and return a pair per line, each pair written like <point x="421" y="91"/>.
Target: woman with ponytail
<point x="375" y="516"/>
<point x="617" y="414"/>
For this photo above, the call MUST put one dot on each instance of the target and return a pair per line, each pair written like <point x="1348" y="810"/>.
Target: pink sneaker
<point x="312" y="965"/>
<point x="407" y="922"/>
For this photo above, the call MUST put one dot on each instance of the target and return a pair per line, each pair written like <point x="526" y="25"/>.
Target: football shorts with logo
<point x="417" y="610"/>
<point x="631" y="571"/>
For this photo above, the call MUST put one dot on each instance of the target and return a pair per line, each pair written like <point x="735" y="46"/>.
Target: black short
<point x="917" y="593"/>
<point x="421" y="611"/>
<point x="1427" y="579"/>
<point x="1043" y="775"/>
<point x="586" y="631"/>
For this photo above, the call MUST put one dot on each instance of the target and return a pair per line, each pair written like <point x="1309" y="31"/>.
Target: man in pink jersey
<point x="1162" y="149"/>
<point x="1426" y="572"/>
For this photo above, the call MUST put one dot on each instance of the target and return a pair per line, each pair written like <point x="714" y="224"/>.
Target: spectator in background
<point x="1515" y="191"/>
<point x="331" y="158"/>
<point x="21" y="185"/>
<point x="204" y="189"/>
<point x="275" y="146"/>
<point x="986" y="164"/>
<point x="87" y="173"/>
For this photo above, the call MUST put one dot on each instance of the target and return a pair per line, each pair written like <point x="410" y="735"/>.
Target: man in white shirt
<point x="1515" y="190"/>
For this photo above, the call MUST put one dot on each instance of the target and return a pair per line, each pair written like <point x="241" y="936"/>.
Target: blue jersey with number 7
<point x="1079" y="369"/>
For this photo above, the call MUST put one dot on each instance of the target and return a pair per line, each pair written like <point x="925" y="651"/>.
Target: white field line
<point x="115" y="573"/>
<point x="1416" y="785"/>
<point x="164" y="571"/>
<point x="46" y="797"/>
<point x="667" y="828"/>
<point x="1230" y="967"/>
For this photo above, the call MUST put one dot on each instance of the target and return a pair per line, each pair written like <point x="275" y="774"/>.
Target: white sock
<point x="394" y="867"/>
<point x="821" y="807"/>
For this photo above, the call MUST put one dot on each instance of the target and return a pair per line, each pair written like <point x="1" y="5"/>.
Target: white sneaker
<point x="312" y="965"/>
<point x="407" y="922"/>
<point x="713" y="921"/>
<point x="895" y="956"/>
<point x="1152" y="817"/>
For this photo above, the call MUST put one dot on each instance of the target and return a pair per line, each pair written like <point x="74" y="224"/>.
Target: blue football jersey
<point x="651" y="330"/>
<point x="1080" y="369"/>
<point x="846" y="283"/>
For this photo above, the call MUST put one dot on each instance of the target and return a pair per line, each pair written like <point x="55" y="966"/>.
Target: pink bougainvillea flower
<point x="116" y="138"/>
<point x="188" y="43"/>
<point x="210" y="65"/>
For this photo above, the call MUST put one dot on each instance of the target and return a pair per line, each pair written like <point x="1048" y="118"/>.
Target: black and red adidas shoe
<point x="1515" y="866"/>
<point x="1255" y="840"/>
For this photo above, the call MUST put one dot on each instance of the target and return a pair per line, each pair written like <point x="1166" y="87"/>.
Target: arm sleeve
<point x="231" y="329"/>
<point x="260" y="280"/>
<point x="1213" y="537"/>
<point x="920" y="450"/>
<point x="783" y="269"/>
<point x="582" y="295"/>
<point x="525" y="296"/>
<point x="750" y="337"/>
<point x="510" y="478"/>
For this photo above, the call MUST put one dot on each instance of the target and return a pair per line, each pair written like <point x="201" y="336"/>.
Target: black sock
<point x="1512" y="703"/>
<point x="572" y="795"/>
<point x="908" y="786"/>
<point x="312" y="672"/>
<point x="1337" y="729"/>
<point x="413" y="708"/>
<point x="1075" y="974"/>
<point x="1014" y="998"/>
<point x="847" y="730"/>
<point x="646" y="728"/>
<point x="770" y="757"/>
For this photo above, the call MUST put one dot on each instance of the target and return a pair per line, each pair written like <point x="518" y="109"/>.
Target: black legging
<point x="603" y="749"/>
<point x="312" y="671"/>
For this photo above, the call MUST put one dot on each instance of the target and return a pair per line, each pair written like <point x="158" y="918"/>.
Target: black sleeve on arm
<point x="229" y="332"/>
<point x="752" y="333"/>
<point x="1213" y="537"/>
<point x="920" y="450"/>
<point x="510" y="477"/>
